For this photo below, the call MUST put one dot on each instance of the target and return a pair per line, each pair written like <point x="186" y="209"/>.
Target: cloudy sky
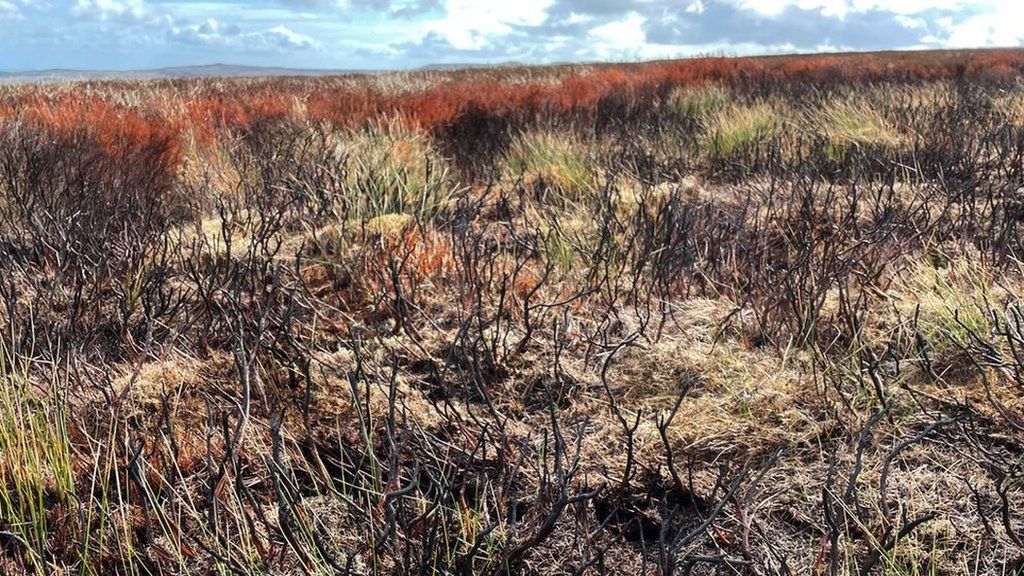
<point x="386" y="34"/>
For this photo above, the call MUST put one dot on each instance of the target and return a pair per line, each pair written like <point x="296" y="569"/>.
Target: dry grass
<point x="741" y="127"/>
<point x="1010" y="108"/>
<point x="851" y="124"/>
<point x="700" y="102"/>
<point x="560" y="161"/>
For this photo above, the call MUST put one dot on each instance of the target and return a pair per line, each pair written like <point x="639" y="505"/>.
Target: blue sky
<point x="389" y="34"/>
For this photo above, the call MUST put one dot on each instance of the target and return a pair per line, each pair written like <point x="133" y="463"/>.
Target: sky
<point x="400" y="34"/>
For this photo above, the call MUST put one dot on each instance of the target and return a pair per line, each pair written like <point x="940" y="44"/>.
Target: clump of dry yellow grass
<point x="393" y="169"/>
<point x="854" y="123"/>
<point x="335" y="396"/>
<point x="1010" y="108"/>
<point x="948" y="297"/>
<point x="737" y="127"/>
<point x="561" y="161"/>
<point x="700" y="102"/>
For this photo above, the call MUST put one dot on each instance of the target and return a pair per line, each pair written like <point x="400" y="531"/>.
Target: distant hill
<point x="227" y="70"/>
<point x="207" y="71"/>
<point x="450" y="67"/>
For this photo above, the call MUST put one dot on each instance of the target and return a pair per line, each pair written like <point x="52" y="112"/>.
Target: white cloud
<point x="619" y="38"/>
<point x="906" y="7"/>
<point x="105" y="10"/>
<point x="985" y="31"/>
<point x="285" y="37"/>
<point x="393" y="7"/>
<point x="985" y="22"/>
<point x="215" y="33"/>
<point x="991" y="23"/>
<point x="18" y="9"/>
<point x="577" y="18"/>
<point x="842" y="8"/>
<point x="9" y="10"/>
<point x="773" y="8"/>
<point x="911" y="22"/>
<point x="472" y="24"/>
<point x="315" y="3"/>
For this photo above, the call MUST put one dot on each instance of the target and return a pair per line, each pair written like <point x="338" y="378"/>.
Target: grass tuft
<point x="741" y="127"/>
<point x="854" y="124"/>
<point x="560" y="161"/>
